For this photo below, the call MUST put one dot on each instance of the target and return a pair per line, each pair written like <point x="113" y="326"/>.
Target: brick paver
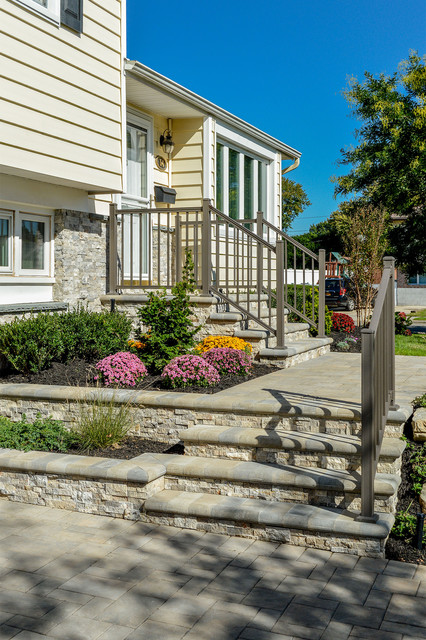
<point x="74" y="576"/>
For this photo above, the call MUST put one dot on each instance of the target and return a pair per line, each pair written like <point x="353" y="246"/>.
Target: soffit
<point x="152" y="99"/>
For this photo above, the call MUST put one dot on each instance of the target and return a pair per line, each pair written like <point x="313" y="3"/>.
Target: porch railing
<point x="377" y="384"/>
<point x="250" y="265"/>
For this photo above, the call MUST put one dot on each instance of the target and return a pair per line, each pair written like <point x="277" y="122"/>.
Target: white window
<point x="139" y="162"/>
<point x="47" y="8"/>
<point x="25" y="243"/>
<point x="417" y="279"/>
<point x="241" y="182"/>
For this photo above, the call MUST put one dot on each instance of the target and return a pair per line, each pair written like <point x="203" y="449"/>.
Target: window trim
<point x="146" y="122"/>
<point x="47" y="245"/>
<point x="257" y="161"/>
<point x="8" y="215"/>
<point x="15" y="271"/>
<point x="52" y="12"/>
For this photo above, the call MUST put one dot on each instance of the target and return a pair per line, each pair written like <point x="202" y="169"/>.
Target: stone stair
<point x="300" y="346"/>
<point x="277" y="484"/>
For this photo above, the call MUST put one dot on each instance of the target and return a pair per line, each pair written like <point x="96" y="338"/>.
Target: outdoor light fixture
<point x="166" y="141"/>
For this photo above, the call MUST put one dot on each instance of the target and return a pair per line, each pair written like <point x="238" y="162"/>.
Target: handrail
<point x="292" y="241"/>
<point x="241" y="227"/>
<point x="377" y="384"/>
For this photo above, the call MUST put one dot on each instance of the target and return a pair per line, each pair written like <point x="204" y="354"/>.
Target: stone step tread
<point x="272" y="514"/>
<point x="296" y="347"/>
<point x="261" y="334"/>
<point x="287" y="440"/>
<point x="237" y="471"/>
<point x="237" y="316"/>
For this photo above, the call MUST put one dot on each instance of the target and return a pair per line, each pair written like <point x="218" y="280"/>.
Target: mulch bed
<point x="339" y="336"/>
<point x="396" y="548"/>
<point x="131" y="447"/>
<point x="79" y="373"/>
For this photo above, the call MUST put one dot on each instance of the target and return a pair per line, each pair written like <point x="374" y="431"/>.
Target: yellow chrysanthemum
<point x="221" y="342"/>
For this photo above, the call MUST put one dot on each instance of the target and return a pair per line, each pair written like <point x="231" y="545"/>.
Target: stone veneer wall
<point x="80" y="264"/>
<point x="100" y="497"/>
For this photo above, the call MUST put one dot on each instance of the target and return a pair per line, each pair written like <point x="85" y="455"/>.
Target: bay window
<point x="241" y="182"/>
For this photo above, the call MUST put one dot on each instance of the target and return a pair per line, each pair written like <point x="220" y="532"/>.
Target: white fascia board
<point x="208" y="108"/>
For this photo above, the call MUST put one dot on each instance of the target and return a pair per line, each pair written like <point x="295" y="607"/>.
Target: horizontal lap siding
<point x="61" y="97"/>
<point x="187" y="176"/>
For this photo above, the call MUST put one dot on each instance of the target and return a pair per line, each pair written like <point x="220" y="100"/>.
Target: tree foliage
<point x="294" y="201"/>
<point x="364" y="230"/>
<point x="322" y="235"/>
<point x="388" y="166"/>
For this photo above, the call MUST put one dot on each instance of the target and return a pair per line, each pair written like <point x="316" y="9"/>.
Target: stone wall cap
<point x="143" y="470"/>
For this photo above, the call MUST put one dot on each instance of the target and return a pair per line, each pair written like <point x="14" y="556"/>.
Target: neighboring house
<point x="409" y="290"/>
<point x="70" y="146"/>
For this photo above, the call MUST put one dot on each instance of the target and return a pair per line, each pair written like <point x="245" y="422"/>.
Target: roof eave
<point x="208" y="108"/>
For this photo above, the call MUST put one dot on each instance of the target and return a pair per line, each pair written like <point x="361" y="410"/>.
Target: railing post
<point x="259" y="232"/>
<point x="206" y="249"/>
<point x="368" y="465"/>
<point x="280" y="294"/>
<point x="178" y="254"/>
<point x="389" y="263"/>
<point x="321" y="294"/>
<point x="112" y="284"/>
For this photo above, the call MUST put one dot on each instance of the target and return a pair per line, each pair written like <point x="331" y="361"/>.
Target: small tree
<point x="363" y="228"/>
<point x="294" y="201"/>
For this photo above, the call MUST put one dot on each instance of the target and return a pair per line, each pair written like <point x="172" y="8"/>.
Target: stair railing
<point x="377" y="384"/>
<point x="242" y="269"/>
<point x="302" y="269"/>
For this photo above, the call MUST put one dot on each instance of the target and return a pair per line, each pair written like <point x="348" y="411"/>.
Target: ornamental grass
<point x="229" y="361"/>
<point x="122" y="369"/>
<point x="222" y="342"/>
<point x="188" y="370"/>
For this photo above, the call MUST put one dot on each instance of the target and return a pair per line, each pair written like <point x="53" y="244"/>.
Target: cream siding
<point x="187" y="168"/>
<point x="61" y="97"/>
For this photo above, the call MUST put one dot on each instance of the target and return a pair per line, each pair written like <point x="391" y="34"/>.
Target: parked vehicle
<point x="339" y="293"/>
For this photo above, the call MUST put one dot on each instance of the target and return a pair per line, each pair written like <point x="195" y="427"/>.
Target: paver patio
<point x="73" y="576"/>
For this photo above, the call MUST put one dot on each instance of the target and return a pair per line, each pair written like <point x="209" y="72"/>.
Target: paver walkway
<point x="331" y="381"/>
<point x="74" y="576"/>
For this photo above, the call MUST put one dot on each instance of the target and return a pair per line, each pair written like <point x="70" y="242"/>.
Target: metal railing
<point x="244" y="270"/>
<point x="248" y="268"/>
<point x="302" y="271"/>
<point x="377" y="384"/>
<point x="146" y="246"/>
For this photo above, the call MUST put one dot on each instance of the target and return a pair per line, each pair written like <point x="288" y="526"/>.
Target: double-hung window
<point x="25" y="243"/>
<point x="241" y="182"/>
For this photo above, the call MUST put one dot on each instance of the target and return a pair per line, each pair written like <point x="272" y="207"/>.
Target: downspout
<point x="292" y="166"/>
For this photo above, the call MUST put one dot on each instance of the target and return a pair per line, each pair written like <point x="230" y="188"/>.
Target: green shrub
<point x="31" y="344"/>
<point x="420" y="401"/>
<point x="293" y="317"/>
<point x="93" y="335"/>
<point x="102" y="423"/>
<point x="405" y="526"/>
<point x="170" y="329"/>
<point x="44" y="434"/>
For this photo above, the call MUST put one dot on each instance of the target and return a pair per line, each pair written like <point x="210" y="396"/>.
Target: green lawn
<point x="419" y="315"/>
<point x="414" y="345"/>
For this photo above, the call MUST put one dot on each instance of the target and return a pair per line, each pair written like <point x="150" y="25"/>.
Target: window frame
<point x="257" y="161"/>
<point x="417" y="283"/>
<point x="15" y="269"/>
<point x="8" y="215"/>
<point x="145" y="122"/>
<point x="52" y="12"/>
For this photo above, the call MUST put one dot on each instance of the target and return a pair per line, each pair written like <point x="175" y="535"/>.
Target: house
<point x="83" y="127"/>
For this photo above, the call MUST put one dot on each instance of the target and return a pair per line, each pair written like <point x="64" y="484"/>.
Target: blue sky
<point x="280" y="66"/>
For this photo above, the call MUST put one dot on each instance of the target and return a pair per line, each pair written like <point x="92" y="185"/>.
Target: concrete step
<point x="295" y="352"/>
<point x="270" y="446"/>
<point x="233" y="315"/>
<point x="298" y="524"/>
<point x="287" y="483"/>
